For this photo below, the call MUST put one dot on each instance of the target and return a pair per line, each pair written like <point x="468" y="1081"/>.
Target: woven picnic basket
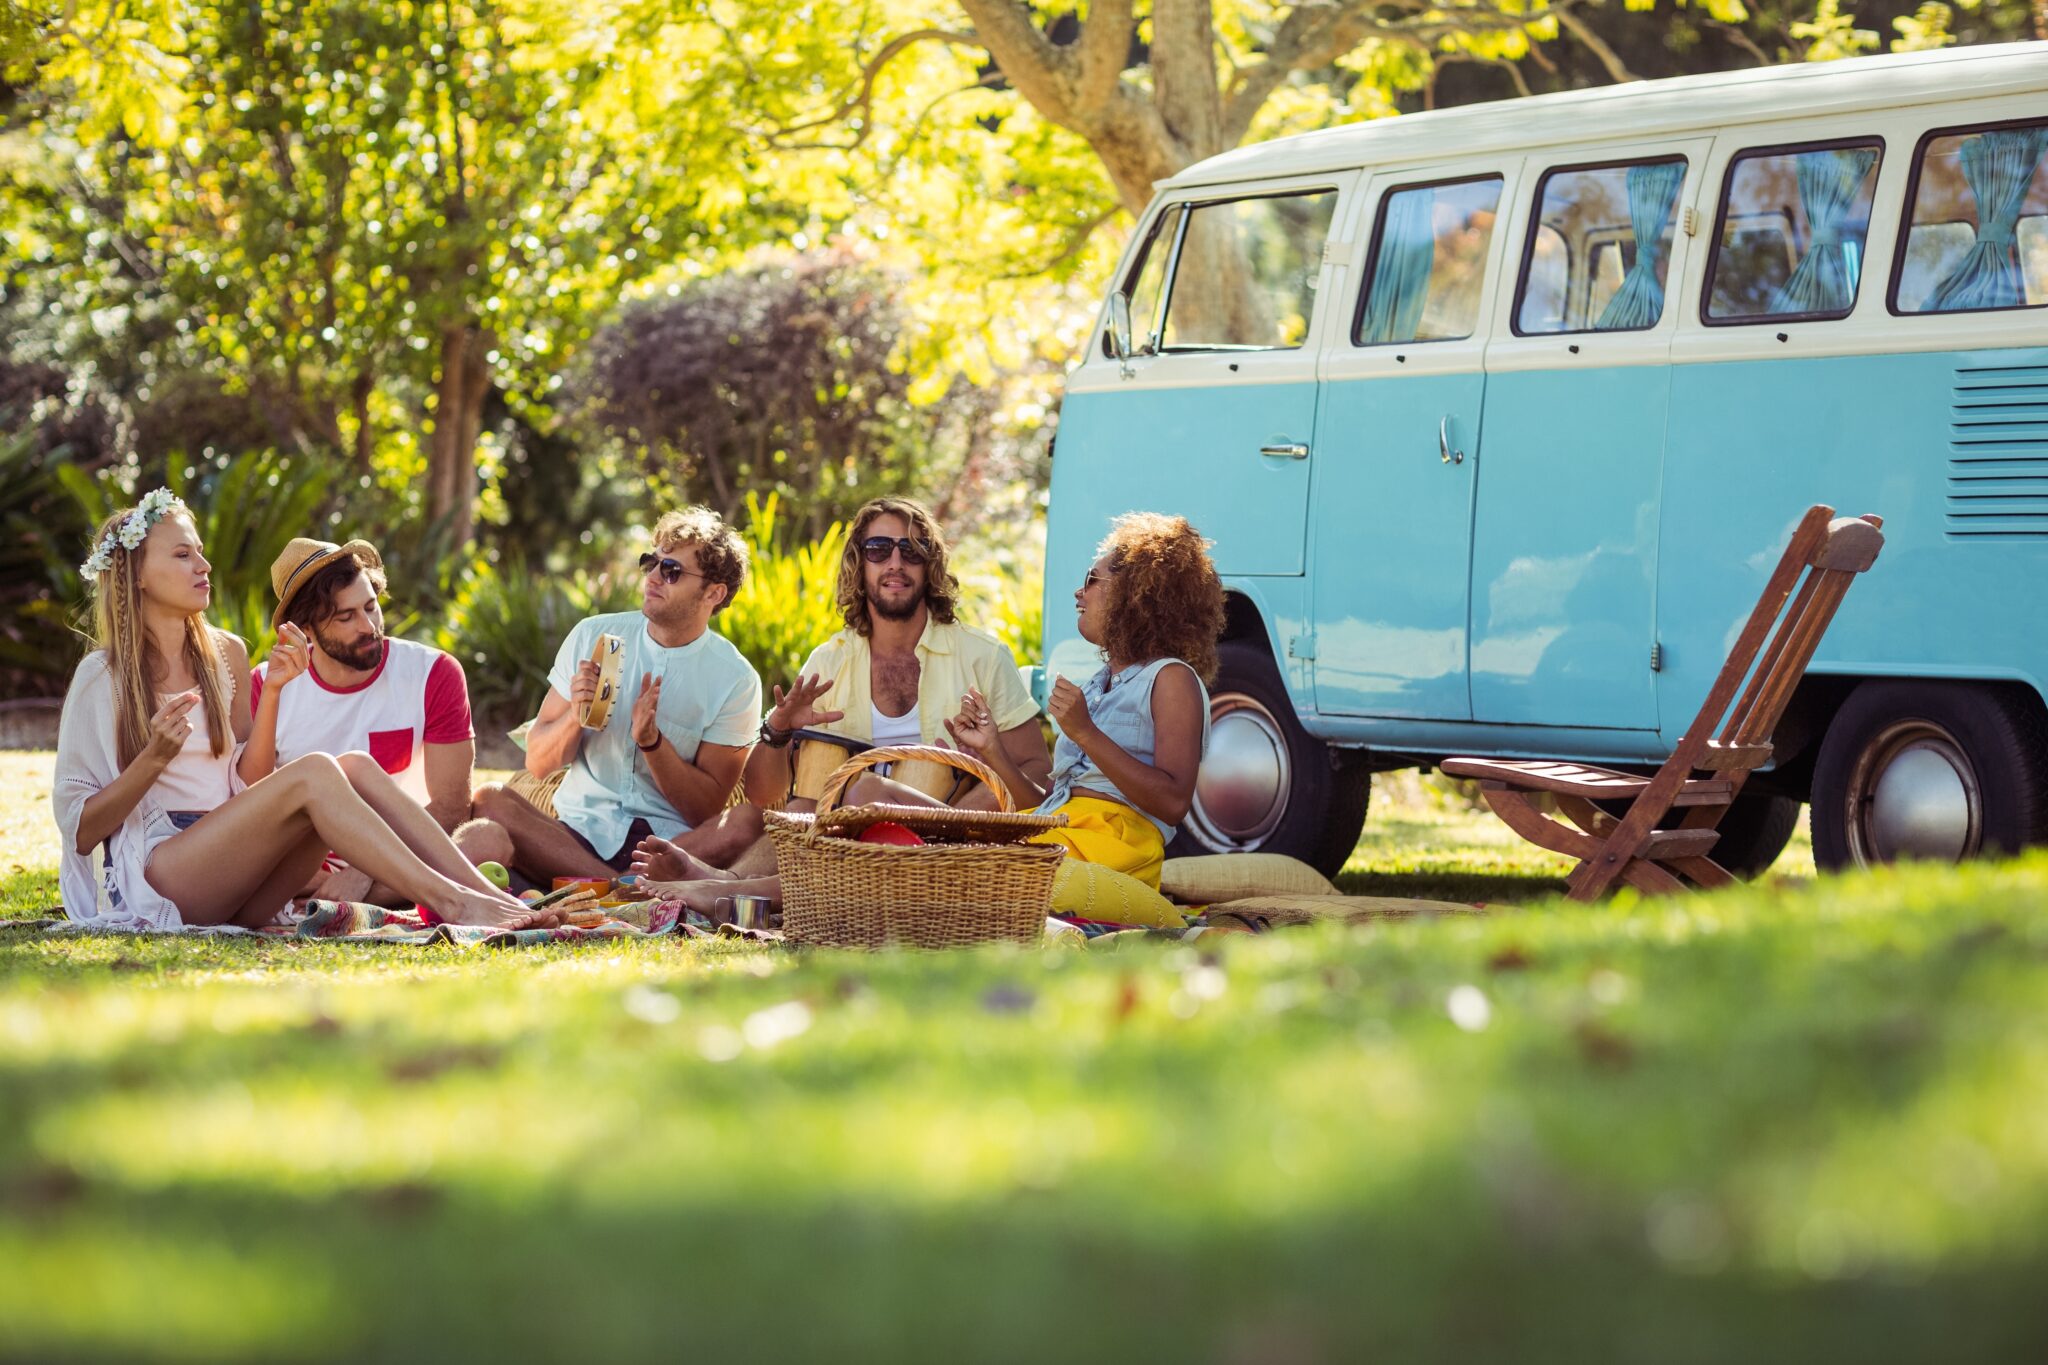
<point x="975" y="881"/>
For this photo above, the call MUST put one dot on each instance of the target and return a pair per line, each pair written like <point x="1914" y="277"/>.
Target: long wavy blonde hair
<point x="133" y="660"/>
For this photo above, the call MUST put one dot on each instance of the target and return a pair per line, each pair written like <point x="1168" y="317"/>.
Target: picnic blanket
<point x="357" y="922"/>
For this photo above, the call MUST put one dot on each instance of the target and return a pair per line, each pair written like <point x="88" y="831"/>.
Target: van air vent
<point x="1998" y="451"/>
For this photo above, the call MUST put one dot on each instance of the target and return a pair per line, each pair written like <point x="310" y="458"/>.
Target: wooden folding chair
<point x="1705" y="773"/>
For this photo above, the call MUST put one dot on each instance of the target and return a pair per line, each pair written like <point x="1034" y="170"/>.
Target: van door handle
<point x="1286" y="450"/>
<point x="1443" y="443"/>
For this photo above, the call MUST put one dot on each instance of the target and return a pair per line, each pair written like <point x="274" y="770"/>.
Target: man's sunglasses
<point x="877" y="549"/>
<point x="671" y="570"/>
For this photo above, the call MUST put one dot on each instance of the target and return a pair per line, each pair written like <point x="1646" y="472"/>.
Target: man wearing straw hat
<point x="337" y="684"/>
<point x="665" y="759"/>
<point x="899" y="673"/>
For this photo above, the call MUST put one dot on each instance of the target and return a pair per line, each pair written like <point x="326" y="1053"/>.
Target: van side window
<point x="1428" y="265"/>
<point x="1977" y="238"/>
<point x="1243" y="275"/>
<point x="1601" y="248"/>
<point x="1148" y="284"/>
<point x="1790" y="239"/>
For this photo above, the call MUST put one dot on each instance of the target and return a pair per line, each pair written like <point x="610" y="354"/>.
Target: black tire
<point x="1316" y="807"/>
<point x="1754" y="831"/>
<point x="1968" y="770"/>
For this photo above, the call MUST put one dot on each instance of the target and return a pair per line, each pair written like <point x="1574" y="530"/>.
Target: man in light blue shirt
<point x="667" y="758"/>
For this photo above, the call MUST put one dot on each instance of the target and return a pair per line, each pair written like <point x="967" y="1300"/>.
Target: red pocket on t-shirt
<point x="392" y="749"/>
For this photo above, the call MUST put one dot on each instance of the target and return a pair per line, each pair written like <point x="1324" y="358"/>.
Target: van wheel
<point x="1266" y="784"/>
<point x="1754" y="831"/>
<point x="1930" y="770"/>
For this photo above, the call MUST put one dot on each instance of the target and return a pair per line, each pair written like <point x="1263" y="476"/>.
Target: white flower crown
<point x="155" y="506"/>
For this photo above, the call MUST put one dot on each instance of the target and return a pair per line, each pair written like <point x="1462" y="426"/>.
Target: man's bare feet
<point x="701" y="896"/>
<point x="657" y="859"/>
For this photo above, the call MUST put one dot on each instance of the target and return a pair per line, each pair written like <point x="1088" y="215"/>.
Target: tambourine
<point x="608" y="656"/>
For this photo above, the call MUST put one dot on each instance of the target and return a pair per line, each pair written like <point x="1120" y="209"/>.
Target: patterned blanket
<point x="356" y="922"/>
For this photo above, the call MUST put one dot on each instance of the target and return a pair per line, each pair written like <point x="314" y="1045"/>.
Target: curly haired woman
<point x="146" y="752"/>
<point x="1131" y="737"/>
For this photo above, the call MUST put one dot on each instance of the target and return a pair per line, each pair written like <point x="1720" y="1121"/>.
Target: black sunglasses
<point x="877" y="549"/>
<point x="671" y="569"/>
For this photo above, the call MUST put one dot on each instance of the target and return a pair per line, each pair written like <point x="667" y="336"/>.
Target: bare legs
<point x="262" y="840"/>
<point x="545" y="849"/>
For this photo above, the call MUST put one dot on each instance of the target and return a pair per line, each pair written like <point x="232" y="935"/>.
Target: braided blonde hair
<point x="133" y="660"/>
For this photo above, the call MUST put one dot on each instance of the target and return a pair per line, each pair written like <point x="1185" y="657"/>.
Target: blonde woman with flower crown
<point x="159" y="831"/>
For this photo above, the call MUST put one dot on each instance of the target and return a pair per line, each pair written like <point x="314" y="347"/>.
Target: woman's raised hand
<point x="974" y="729"/>
<point x="170" y="727"/>
<point x="1068" y="707"/>
<point x="797" y="709"/>
<point x="290" y="657"/>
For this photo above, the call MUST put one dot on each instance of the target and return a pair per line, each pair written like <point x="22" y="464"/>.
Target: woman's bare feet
<point x="657" y="859"/>
<point x="460" y="905"/>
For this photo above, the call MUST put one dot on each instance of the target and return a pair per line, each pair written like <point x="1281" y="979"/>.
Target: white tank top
<point x="197" y="779"/>
<point x="901" y="729"/>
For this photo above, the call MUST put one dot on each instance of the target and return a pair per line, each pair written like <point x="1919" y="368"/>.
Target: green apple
<point x="496" y="875"/>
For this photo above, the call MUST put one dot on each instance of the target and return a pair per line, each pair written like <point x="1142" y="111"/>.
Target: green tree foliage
<point x="367" y="216"/>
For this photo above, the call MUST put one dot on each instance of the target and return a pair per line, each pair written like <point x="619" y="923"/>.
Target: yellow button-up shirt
<point x="950" y="658"/>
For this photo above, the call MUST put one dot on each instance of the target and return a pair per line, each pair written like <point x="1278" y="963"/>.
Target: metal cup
<point x="746" y="912"/>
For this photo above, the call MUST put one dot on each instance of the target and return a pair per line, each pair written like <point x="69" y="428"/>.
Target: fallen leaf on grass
<point x="1603" y="1047"/>
<point x="424" y="1066"/>
<point x="402" y="1199"/>
<point x="42" y="1189"/>
<point x="1007" y="999"/>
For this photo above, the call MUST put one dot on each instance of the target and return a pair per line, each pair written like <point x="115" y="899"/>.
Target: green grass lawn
<point x="1801" y="1121"/>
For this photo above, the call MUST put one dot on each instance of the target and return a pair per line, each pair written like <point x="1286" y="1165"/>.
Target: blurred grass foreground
<point x="1802" y="1121"/>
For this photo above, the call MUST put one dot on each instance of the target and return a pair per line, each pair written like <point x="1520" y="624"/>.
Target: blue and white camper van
<point x="1498" y="417"/>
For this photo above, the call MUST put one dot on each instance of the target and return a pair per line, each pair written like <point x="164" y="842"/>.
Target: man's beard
<point x="893" y="612"/>
<point x="362" y="657"/>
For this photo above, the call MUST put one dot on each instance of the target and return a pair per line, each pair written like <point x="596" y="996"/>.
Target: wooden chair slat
<point x="1745" y="703"/>
<point x="1720" y="757"/>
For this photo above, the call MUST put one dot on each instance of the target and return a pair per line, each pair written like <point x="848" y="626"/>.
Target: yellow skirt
<point x="1110" y="834"/>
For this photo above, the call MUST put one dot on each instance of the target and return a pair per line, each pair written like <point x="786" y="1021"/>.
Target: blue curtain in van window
<point x="1400" y="276"/>
<point x="1828" y="182"/>
<point x="1652" y="202"/>
<point x="1997" y="166"/>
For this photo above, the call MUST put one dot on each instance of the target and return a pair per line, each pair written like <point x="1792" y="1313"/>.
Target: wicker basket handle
<point x="842" y="776"/>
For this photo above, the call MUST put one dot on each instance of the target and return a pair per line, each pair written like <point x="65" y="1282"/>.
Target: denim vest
<point x="1121" y="707"/>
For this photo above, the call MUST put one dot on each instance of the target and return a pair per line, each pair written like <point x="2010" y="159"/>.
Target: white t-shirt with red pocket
<point x="418" y="696"/>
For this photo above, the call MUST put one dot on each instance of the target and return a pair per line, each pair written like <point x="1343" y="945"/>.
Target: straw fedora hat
<point x="303" y="558"/>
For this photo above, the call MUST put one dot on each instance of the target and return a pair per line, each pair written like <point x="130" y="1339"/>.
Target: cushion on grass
<point x="1279" y="910"/>
<point x="1230" y="876"/>
<point x="1091" y="891"/>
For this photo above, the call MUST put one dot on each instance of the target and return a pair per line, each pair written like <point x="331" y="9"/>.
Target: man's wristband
<point x="774" y="738"/>
<point x="648" y="748"/>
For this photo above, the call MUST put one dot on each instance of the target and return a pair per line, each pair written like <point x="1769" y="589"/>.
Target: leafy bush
<point x="788" y="604"/>
<point x="42" y="539"/>
<point x="782" y="377"/>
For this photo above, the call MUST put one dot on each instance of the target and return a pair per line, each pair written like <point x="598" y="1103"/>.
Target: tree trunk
<point x="458" y="421"/>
